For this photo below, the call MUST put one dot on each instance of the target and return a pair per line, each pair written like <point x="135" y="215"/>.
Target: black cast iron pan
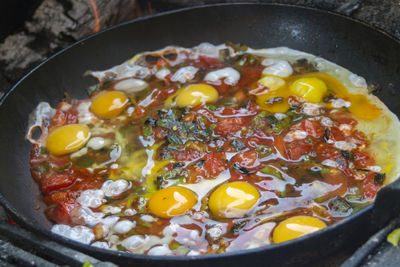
<point x="356" y="46"/>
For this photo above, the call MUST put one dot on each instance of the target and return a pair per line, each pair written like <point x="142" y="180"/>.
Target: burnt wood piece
<point x="53" y="25"/>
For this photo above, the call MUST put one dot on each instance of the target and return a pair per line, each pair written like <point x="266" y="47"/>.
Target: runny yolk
<point x="310" y="89"/>
<point x="109" y="104"/>
<point x="172" y="201"/>
<point x="67" y="139"/>
<point x="295" y="227"/>
<point x="233" y="200"/>
<point x="360" y="105"/>
<point x="196" y="94"/>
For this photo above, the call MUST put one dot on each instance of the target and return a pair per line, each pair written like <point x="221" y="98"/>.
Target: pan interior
<point x="352" y="45"/>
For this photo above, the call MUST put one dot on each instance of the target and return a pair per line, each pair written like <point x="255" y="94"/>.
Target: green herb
<point x="282" y="125"/>
<point x="271" y="171"/>
<point x="174" y="139"/>
<point x="206" y="132"/>
<point x="272" y="120"/>
<point x="147" y="130"/>
<point x="120" y="248"/>
<point x="304" y="66"/>
<point x="246" y="60"/>
<point x="394" y="237"/>
<point x="224" y="55"/>
<point x="263" y="151"/>
<point x="43" y="150"/>
<point x="347" y="155"/>
<point x="237" y="226"/>
<point x="84" y="161"/>
<point x="63" y="167"/>
<point x="174" y="245"/>
<point x="144" y="224"/>
<point x="212" y="107"/>
<point x="240" y="169"/>
<point x="229" y="103"/>
<point x="315" y="172"/>
<point x="92" y="88"/>
<point x="158" y="182"/>
<point x="295" y="117"/>
<point x="379" y="178"/>
<point x="87" y="264"/>
<point x="238" y="145"/>
<point x="237" y="47"/>
<point x="340" y="206"/>
<point x="182" y="250"/>
<point x="43" y="167"/>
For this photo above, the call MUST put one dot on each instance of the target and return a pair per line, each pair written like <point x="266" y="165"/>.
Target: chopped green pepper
<point x="394" y="237"/>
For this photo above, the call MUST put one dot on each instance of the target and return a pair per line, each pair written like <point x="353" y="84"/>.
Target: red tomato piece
<point x="230" y="125"/>
<point x="280" y="146"/>
<point x="358" y="138"/>
<point x="342" y="118"/>
<point x="57" y="181"/>
<point x="187" y="155"/>
<point x="336" y="134"/>
<point x="246" y="159"/>
<point x="362" y="160"/>
<point x="214" y="163"/>
<point x="209" y="62"/>
<point x="62" y="117"/>
<point x="325" y="151"/>
<point x="65" y="203"/>
<point x="369" y="187"/>
<point x="313" y="128"/>
<point x="249" y="75"/>
<point x="298" y="148"/>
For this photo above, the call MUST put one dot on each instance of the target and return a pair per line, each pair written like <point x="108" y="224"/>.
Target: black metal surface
<point x="360" y="48"/>
<point x="377" y="251"/>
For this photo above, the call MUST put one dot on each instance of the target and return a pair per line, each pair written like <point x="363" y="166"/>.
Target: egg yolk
<point x="67" y="139"/>
<point x="196" y="94"/>
<point x="109" y="104"/>
<point x="311" y="89"/>
<point x="172" y="201"/>
<point x="295" y="227"/>
<point x="233" y="200"/>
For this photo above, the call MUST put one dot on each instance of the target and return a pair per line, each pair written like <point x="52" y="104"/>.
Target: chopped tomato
<point x="342" y="118"/>
<point x="362" y="160"/>
<point x="209" y="62"/>
<point x="222" y="87"/>
<point x="249" y="75"/>
<point x="313" y="128"/>
<point x="369" y="187"/>
<point x="64" y="202"/>
<point x="325" y="151"/>
<point x="336" y="134"/>
<point x="298" y="148"/>
<point x="57" y="181"/>
<point x="63" y="117"/>
<point x="247" y="159"/>
<point x="187" y="155"/>
<point x="358" y="138"/>
<point x="280" y="146"/>
<point x="214" y="163"/>
<point x="230" y="125"/>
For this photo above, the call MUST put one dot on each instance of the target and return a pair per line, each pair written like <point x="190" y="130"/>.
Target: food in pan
<point x="212" y="149"/>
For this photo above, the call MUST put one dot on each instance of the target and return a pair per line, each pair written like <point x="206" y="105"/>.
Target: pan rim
<point x="21" y="219"/>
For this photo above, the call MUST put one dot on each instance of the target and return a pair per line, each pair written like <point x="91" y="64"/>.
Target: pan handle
<point x="387" y="204"/>
<point x="349" y="7"/>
